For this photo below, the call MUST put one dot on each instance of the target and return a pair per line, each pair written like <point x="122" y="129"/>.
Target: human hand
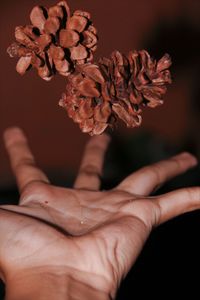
<point x="87" y="237"/>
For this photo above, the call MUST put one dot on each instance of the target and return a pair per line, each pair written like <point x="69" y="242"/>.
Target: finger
<point x="177" y="202"/>
<point x="144" y="181"/>
<point x="89" y="175"/>
<point x="21" y="158"/>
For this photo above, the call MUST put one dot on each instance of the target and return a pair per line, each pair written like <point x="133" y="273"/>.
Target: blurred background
<point x="170" y="258"/>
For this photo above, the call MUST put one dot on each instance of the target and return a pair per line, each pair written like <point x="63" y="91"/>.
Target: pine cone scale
<point x="56" y="11"/>
<point x="68" y="38"/>
<point x="79" y="53"/>
<point x="102" y="113"/>
<point x="77" y="23"/>
<point x="23" y="64"/>
<point x="38" y="18"/>
<point x="90" y="39"/>
<point x="98" y="129"/>
<point x="93" y="72"/>
<point x="56" y="53"/>
<point x="44" y="41"/>
<point x="52" y="25"/>
<point x="23" y="39"/>
<point x="88" y="88"/>
<point x="164" y="63"/>
<point x="122" y="113"/>
<point x="86" y="111"/>
<point x="65" y="8"/>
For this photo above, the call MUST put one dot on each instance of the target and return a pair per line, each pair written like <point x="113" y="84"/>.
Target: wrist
<point x="57" y="284"/>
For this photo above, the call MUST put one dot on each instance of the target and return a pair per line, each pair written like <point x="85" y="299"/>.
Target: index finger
<point x="145" y="180"/>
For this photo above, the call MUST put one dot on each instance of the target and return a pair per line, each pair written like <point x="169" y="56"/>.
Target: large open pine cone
<point x="118" y="87"/>
<point x="55" y="42"/>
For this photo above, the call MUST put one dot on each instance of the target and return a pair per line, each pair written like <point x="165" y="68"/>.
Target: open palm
<point x="85" y="230"/>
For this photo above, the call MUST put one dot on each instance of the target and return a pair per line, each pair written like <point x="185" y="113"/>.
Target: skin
<point x="79" y="243"/>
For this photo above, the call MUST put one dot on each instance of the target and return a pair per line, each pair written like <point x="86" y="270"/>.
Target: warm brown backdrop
<point x="159" y="26"/>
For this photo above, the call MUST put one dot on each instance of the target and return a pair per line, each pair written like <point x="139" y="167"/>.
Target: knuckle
<point x="156" y="213"/>
<point x="178" y="163"/>
<point x="33" y="192"/>
<point x="193" y="193"/>
<point x="145" y="210"/>
<point x="23" y="163"/>
<point x="154" y="171"/>
<point x="89" y="170"/>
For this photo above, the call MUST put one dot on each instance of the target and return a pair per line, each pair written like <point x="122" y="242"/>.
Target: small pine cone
<point x="118" y="87"/>
<point x="55" y="42"/>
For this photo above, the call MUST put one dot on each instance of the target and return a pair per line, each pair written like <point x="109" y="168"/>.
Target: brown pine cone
<point x="55" y="42"/>
<point x="118" y="87"/>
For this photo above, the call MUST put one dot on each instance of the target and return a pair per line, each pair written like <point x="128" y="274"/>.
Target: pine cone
<point x="55" y="42"/>
<point x="118" y="87"/>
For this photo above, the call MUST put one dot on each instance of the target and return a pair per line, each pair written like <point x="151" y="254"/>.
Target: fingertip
<point x="101" y="141"/>
<point x="13" y="134"/>
<point x="106" y="138"/>
<point x="189" y="157"/>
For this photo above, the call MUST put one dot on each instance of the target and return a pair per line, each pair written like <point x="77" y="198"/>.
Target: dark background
<point x="170" y="258"/>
